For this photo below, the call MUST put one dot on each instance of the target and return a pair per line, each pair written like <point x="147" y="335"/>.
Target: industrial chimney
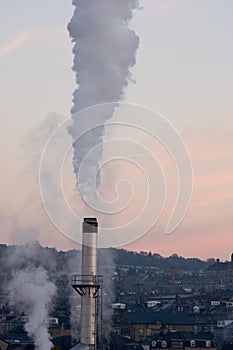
<point x="88" y="285"/>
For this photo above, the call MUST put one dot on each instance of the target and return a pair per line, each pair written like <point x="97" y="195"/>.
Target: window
<point x="141" y="332"/>
<point x="153" y="344"/>
<point x="192" y="343"/>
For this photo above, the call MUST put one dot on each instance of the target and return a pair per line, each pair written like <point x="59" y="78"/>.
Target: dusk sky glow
<point x="184" y="70"/>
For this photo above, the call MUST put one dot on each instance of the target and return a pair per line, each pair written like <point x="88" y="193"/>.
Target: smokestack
<point x="87" y="285"/>
<point x="89" y="272"/>
<point x="89" y="246"/>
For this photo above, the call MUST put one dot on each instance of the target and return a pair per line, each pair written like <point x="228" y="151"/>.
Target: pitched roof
<point x="183" y="336"/>
<point x="146" y="317"/>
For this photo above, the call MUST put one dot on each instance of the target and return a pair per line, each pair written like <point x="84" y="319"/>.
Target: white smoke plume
<point x="104" y="50"/>
<point x="31" y="292"/>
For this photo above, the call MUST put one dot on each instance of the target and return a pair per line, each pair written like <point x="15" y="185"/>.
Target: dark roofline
<point x="149" y="317"/>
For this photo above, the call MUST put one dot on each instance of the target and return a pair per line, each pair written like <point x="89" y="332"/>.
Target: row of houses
<point x="135" y="279"/>
<point x="10" y="323"/>
<point x="140" y="325"/>
<point x="167" y="341"/>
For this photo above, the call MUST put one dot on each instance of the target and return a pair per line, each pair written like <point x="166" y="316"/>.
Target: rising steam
<point x="104" y="50"/>
<point x="31" y="291"/>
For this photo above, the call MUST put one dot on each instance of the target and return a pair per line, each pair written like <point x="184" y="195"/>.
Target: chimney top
<point x="91" y="221"/>
<point x="90" y="225"/>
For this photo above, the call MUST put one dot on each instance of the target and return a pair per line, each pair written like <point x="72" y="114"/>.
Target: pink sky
<point x="206" y="230"/>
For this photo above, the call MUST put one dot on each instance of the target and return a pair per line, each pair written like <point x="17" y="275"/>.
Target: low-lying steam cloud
<point x="31" y="292"/>
<point x="34" y="293"/>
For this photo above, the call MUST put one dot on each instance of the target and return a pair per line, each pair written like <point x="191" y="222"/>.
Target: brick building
<point x="140" y="325"/>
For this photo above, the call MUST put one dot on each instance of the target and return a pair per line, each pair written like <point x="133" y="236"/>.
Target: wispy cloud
<point x="18" y="41"/>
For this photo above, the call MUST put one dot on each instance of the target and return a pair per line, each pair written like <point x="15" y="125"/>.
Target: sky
<point x="184" y="71"/>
